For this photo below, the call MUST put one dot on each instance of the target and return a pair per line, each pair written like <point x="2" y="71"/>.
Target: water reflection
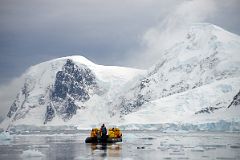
<point x="101" y="151"/>
<point x="134" y="146"/>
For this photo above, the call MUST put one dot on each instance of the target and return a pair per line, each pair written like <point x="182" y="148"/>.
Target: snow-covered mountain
<point x="67" y="91"/>
<point x="194" y="82"/>
<point x="194" y="86"/>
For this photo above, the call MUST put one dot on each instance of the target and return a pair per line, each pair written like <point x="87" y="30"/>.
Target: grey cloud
<point x="173" y="27"/>
<point x="102" y="30"/>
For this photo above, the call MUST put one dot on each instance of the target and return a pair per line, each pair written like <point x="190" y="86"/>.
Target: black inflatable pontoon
<point x="100" y="140"/>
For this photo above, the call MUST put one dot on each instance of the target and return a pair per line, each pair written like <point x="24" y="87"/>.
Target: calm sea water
<point x="136" y="145"/>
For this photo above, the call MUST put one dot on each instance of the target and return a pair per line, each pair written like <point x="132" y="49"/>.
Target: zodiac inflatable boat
<point x="114" y="135"/>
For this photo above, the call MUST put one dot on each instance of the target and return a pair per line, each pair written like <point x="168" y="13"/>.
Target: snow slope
<point x="182" y="107"/>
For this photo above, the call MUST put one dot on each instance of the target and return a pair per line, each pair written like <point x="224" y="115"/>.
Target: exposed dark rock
<point x="130" y="106"/>
<point x="144" y="83"/>
<point x="50" y="113"/>
<point x="13" y="109"/>
<point x="72" y="83"/>
<point x="207" y="110"/>
<point x="41" y="100"/>
<point x="69" y="109"/>
<point x="235" y="101"/>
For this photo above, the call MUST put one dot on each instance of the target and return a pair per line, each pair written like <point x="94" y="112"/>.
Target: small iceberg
<point x="4" y="136"/>
<point x="32" y="153"/>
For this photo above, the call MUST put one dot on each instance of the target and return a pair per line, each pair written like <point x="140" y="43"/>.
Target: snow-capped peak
<point x="201" y="71"/>
<point x="77" y="58"/>
<point x="208" y="28"/>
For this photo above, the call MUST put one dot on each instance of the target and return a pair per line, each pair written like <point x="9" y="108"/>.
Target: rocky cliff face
<point x="71" y="84"/>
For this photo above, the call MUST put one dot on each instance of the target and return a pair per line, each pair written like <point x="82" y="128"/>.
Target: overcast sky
<point x="108" y="32"/>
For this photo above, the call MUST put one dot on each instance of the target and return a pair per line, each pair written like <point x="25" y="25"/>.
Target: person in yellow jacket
<point x="117" y="133"/>
<point x="111" y="133"/>
<point x="95" y="132"/>
<point x="114" y="133"/>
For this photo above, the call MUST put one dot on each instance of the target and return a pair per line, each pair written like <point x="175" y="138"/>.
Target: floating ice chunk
<point x="5" y="136"/>
<point x="197" y="149"/>
<point x="32" y="153"/>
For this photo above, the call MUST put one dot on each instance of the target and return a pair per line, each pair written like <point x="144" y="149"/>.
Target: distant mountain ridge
<point x="196" y="82"/>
